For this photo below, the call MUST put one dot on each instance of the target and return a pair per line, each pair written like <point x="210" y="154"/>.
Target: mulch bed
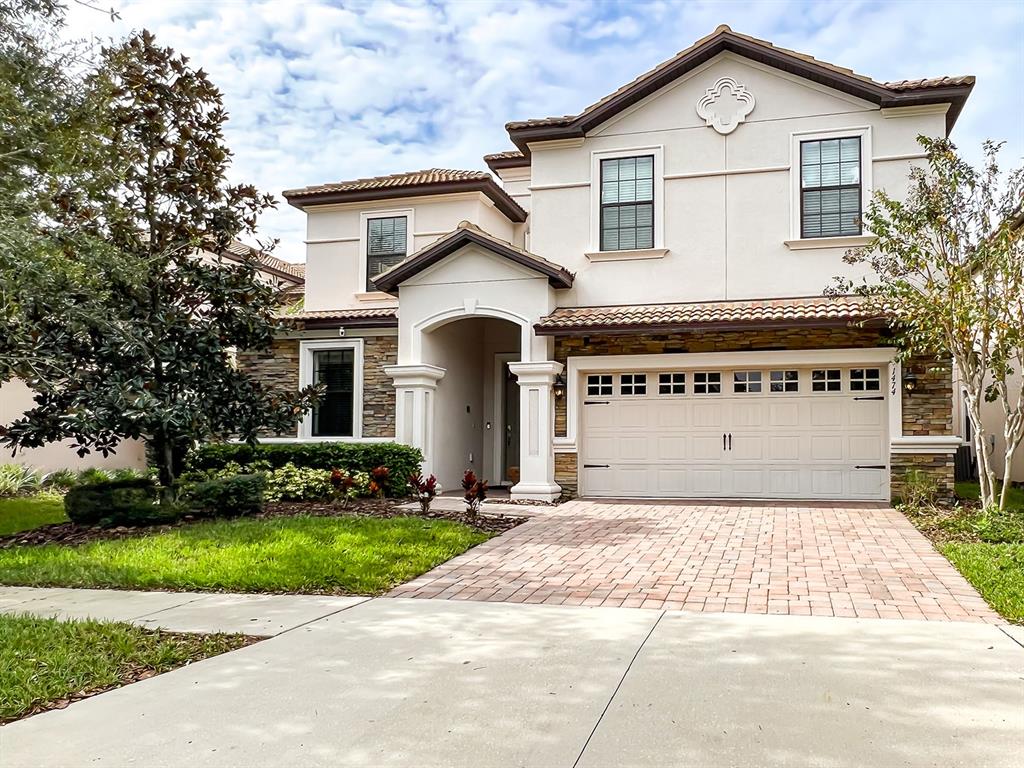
<point x="72" y="534"/>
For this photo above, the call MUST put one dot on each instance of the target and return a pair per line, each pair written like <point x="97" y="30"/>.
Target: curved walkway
<point x="849" y="560"/>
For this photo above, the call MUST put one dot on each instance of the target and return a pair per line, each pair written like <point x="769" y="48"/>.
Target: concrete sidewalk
<point x="262" y="615"/>
<point x="418" y="682"/>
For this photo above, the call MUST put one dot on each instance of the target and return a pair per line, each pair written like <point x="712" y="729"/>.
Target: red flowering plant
<point x="476" y="492"/>
<point x="424" y="489"/>
<point x="379" y="481"/>
<point x="342" y="487"/>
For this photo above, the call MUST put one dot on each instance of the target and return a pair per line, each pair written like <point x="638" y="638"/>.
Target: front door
<point x="510" y="394"/>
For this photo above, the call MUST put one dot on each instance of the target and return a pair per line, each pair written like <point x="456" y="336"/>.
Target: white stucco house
<point x="634" y="307"/>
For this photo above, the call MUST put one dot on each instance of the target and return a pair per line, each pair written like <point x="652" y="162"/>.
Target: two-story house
<point x="637" y="309"/>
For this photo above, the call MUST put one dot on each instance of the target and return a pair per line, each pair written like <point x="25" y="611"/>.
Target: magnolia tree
<point x="948" y="265"/>
<point x="134" y="336"/>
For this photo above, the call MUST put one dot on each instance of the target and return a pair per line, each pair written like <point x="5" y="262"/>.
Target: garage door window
<point x="865" y="379"/>
<point x="633" y="384"/>
<point x="707" y="383"/>
<point x="599" y="385"/>
<point x="827" y="380"/>
<point x="784" y="381"/>
<point x="746" y="382"/>
<point x="671" y="383"/>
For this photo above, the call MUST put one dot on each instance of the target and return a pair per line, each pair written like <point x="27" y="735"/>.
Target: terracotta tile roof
<point x="723" y="31"/>
<point x="364" y="316"/>
<point x="512" y="158"/>
<point x="467" y="232"/>
<point x="810" y="310"/>
<point x="432" y="181"/>
<point x="412" y="178"/>
<point x="509" y="154"/>
<point x="296" y="272"/>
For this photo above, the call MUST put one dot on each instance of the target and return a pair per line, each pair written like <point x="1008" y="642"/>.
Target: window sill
<point x="851" y="241"/>
<point x="641" y="253"/>
<point x="374" y="296"/>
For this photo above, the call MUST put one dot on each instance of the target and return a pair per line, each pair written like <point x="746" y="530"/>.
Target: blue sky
<point x="322" y="92"/>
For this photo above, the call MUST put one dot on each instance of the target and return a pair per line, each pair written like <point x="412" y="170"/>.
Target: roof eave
<point x="500" y="163"/>
<point x="619" y="329"/>
<point x="301" y="200"/>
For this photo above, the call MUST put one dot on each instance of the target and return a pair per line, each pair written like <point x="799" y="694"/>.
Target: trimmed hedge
<point x="226" y="496"/>
<point x="117" y="502"/>
<point x="402" y="461"/>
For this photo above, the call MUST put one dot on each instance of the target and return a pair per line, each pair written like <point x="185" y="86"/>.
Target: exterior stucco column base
<point x="536" y="431"/>
<point x="414" y="407"/>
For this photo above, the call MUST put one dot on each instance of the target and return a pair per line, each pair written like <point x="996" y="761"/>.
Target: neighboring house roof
<point x="295" y="273"/>
<point x="378" y="317"/>
<point x="816" y="310"/>
<point x="467" y="233"/>
<point x="433" y="181"/>
<point x="952" y="90"/>
<point x="509" y="159"/>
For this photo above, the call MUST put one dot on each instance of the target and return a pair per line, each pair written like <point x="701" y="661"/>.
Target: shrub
<point x="292" y="483"/>
<point x="16" y="480"/>
<point x="424" y="489"/>
<point x="118" y="502"/>
<point x="401" y="461"/>
<point x="227" y="497"/>
<point x="94" y="475"/>
<point x="476" y="492"/>
<point x="60" y="480"/>
<point x="920" y="490"/>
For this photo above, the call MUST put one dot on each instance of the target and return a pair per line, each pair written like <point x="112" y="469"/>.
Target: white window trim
<point x="796" y="242"/>
<point x="364" y="218"/>
<point x="594" y="252"/>
<point x="306" y="350"/>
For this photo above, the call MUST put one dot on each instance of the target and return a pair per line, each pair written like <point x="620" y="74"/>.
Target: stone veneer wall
<point x="280" y="366"/>
<point x="928" y="411"/>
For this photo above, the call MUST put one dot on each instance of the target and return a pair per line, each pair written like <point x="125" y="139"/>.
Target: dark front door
<point x="510" y="465"/>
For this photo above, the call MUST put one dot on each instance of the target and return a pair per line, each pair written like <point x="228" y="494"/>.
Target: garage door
<point x="814" y="433"/>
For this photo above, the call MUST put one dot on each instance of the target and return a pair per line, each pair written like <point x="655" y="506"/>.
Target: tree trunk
<point x="986" y="475"/>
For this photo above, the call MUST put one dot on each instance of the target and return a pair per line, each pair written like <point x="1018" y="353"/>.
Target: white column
<point x="536" y="431"/>
<point x="414" y="407"/>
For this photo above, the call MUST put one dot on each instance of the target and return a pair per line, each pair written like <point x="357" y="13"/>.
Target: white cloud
<point x="319" y="93"/>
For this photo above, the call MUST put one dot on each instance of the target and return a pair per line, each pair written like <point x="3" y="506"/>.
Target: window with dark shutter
<point x="627" y="203"/>
<point x="830" y="193"/>
<point x="335" y="369"/>
<point x="385" y="246"/>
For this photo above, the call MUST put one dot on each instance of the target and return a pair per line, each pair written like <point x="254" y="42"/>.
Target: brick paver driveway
<point x="860" y="560"/>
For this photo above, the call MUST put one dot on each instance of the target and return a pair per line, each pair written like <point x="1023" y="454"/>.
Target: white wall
<point x="16" y="398"/>
<point x="725" y="230"/>
<point x="333" y="250"/>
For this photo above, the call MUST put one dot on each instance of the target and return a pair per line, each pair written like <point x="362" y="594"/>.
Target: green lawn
<point x="44" y="661"/>
<point x="972" y="492"/>
<point x="23" y="514"/>
<point x="996" y="571"/>
<point x="353" y="555"/>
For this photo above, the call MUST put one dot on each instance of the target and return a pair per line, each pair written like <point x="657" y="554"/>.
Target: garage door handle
<point x="873" y="397"/>
<point x="730" y="441"/>
<point x="723" y="441"/>
<point x="596" y="466"/>
<point x="595" y="402"/>
<point x="870" y="466"/>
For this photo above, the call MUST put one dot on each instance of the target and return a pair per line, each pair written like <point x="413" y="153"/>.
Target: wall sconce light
<point x="910" y="382"/>
<point x="558" y="387"/>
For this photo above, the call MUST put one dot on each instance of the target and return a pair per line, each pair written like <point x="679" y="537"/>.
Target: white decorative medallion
<point x="725" y="105"/>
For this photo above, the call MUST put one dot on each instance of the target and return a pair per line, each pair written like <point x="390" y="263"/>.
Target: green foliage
<point x="24" y="514"/>
<point x="16" y="480"/>
<point x="355" y="555"/>
<point x="226" y="497"/>
<point x="292" y="483"/>
<point x="60" y="480"/>
<point x="43" y="661"/>
<point x="118" y="502"/>
<point x="947" y="263"/>
<point x="356" y="459"/>
<point x="134" y="337"/>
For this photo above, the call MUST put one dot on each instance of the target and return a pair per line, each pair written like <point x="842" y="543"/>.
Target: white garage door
<point x="768" y="433"/>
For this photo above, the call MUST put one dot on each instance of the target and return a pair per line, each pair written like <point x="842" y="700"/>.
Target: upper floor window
<point x="386" y="240"/>
<point x="627" y="203"/>
<point x="830" y="187"/>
